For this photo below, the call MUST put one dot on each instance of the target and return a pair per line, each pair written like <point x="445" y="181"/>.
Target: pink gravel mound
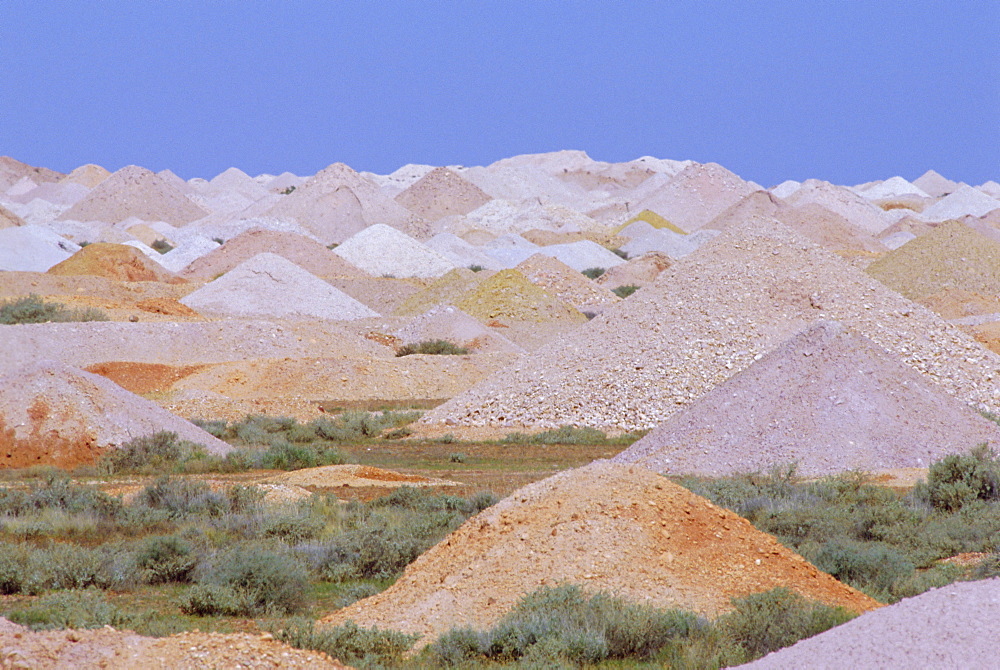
<point x="442" y="193"/>
<point x="134" y="191"/>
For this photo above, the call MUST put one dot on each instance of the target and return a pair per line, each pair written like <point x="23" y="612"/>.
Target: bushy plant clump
<point x="592" y="273"/>
<point x="432" y="347"/>
<point x="32" y="309"/>
<point x="351" y="644"/>
<point x="625" y="290"/>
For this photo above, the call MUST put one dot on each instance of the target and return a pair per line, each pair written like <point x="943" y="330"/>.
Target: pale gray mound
<point x="785" y="188"/>
<point x="460" y="252"/>
<point x="337" y="202"/>
<point x="848" y="204"/>
<point x="667" y="242"/>
<point x="897" y="239"/>
<point x="56" y="414"/>
<point x="955" y="626"/>
<point x="582" y="255"/>
<point x="964" y="201"/>
<point x="828" y="400"/>
<point x="934" y="184"/>
<point x="706" y="318"/>
<point x="135" y="191"/>
<point x="990" y="188"/>
<point x="190" y="250"/>
<point x="447" y="322"/>
<point x="172" y="343"/>
<point x="696" y="195"/>
<point x="308" y="254"/>
<point x="383" y="250"/>
<point x="272" y="286"/>
<point x="31" y="248"/>
<point x="61" y="193"/>
<point x="892" y="188"/>
<point x="442" y="193"/>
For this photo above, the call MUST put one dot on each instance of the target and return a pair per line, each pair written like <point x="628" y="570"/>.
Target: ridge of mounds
<point x="964" y="201"/>
<point x="120" y="262"/>
<point x="55" y="414"/>
<point x="134" y="191"/>
<point x="560" y="280"/>
<point x="449" y="323"/>
<point x="653" y="219"/>
<point x="639" y="271"/>
<point x="828" y="400"/>
<point x="696" y="195"/>
<point x="124" y="650"/>
<point x="308" y="254"/>
<point x="448" y="288"/>
<point x="861" y="213"/>
<point x="606" y="527"/>
<point x="704" y="319"/>
<point x="934" y="184"/>
<point x="13" y="170"/>
<point x="270" y="285"/>
<point x="88" y="175"/>
<point x="337" y="202"/>
<point x="950" y="256"/>
<point x="953" y="626"/>
<point x="383" y="250"/>
<point x="509" y="296"/>
<point x="441" y="193"/>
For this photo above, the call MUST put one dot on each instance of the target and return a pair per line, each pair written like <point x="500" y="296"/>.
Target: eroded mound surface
<point x="609" y="527"/>
<point x="114" y="261"/>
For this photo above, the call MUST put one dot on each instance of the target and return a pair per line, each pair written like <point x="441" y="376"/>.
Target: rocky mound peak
<point x="134" y="192"/>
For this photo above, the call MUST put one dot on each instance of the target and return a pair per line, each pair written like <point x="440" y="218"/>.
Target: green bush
<point x="182" y="497"/>
<point x="621" y="253"/>
<point x="476" y="268"/>
<point x="625" y="290"/>
<point x="161" y="246"/>
<point x="592" y="273"/>
<point x="32" y="309"/>
<point x="165" y="558"/>
<point x="435" y="347"/>
<point x="765" y="622"/>
<point x="249" y="580"/>
<point x="564" y="624"/>
<point x="960" y="479"/>
<point x="363" y="647"/>
<point x="561" y="435"/>
<point x="863" y="565"/>
<point x="150" y="453"/>
<point x="79" y="609"/>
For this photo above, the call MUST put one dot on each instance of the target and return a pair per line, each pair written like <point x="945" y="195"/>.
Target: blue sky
<point x="843" y="91"/>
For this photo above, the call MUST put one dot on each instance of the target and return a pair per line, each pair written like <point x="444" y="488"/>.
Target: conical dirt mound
<point x="441" y="193"/>
<point x="558" y="279"/>
<point x="114" y="261"/>
<point x="509" y="296"/>
<point x="384" y="250"/>
<point x="448" y="288"/>
<point x="705" y="319"/>
<point x="89" y="175"/>
<point x="615" y="528"/>
<point x="829" y="400"/>
<point x="696" y="195"/>
<point x="269" y="285"/>
<point x="134" y="191"/>
<point x="54" y="414"/>
<point x="951" y="256"/>
<point x="447" y="322"/>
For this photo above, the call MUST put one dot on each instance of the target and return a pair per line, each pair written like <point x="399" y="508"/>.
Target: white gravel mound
<point x="383" y="250"/>
<point x="667" y="242"/>
<point x="270" y="285"/>
<point x="696" y="195"/>
<point x="892" y="188"/>
<point x="964" y="201"/>
<point x="934" y="184"/>
<point x="32" y="248"/>
<point x="859" y="211"/>
<point x="460" y="252"/>
<point x="786" y="188"/>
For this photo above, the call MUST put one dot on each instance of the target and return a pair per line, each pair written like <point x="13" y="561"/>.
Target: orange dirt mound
<point x="619" y="529"/>
<point x="329" y="476"/>
<point x="114" y="261"/>
<point x="167" y="306"/>
<point x="143" y="378"/>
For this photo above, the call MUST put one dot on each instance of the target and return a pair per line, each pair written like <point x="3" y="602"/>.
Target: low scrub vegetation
<point x="625" y="290"/>
<point x="592" y="273"/>
<point x="32" y="309"/>
<point x="433" y="347"/>
<point x="569" y="435"/>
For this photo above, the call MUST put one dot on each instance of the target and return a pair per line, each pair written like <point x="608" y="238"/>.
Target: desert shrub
<point x="356" y="426"/>
<point x="58" y="492"/>
<point x="282" y="455"/>
<point x="249" y="580"/>
<point x="476" y="268"/>
<point x="625" y="290"/>
<point x="161" y="246"/>
<point x="434" y="347"/>
<point x="165" y="558"/>
<point x="182" y="497"/>
<point x="32" y="309"/>
<point x="959" y="479"/>
<point x="764" y="622"/>
<point x="245" y="499"/>
<point x="64" y="566"/>
<point x="292" y="529"/>
<point x="561" y="435"/>
<point x="72" y="609"/>
<point x="352" y="593"/>
<point x="592" y="273"/>
<point x="150" y="453"/>
<point x="351" y="644"/>
<point x="219" y="429"/>
<point x="863" y="565"/>
<point x="456" y="458"/>
<point x="621" y="253"/>
<point x="398" y="433"/>
<point x="565" y="624"/>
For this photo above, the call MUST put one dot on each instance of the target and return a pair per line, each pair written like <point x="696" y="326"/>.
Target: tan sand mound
<point x="114" y="261"/>
<point x="955" y="626"/>
<point x="134" y="191"/>
<point x="560" y="280"/>
<point x="509" y="296"/>
<point x="828" y="400"/>
<point x="638" y="271"/>
<point x="954" y="303"/>
<point x="125" y="650"/>
<point x="441" y="193"/>
<point x="705" y="319"/>
<point x="307" y="254"/>
<point x="53" y="414"/>
<point x="827" y="229"/>
<point x="615" y="528"/>
<point x="952" y="256"/>
<point x="88" y="175"/>
<point x="12" y="170"/>
<point x="331" y="476"/>
<point x="167" y="307"/>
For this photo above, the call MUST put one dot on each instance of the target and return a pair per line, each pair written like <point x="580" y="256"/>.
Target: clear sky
<point x="790" y="89"/>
